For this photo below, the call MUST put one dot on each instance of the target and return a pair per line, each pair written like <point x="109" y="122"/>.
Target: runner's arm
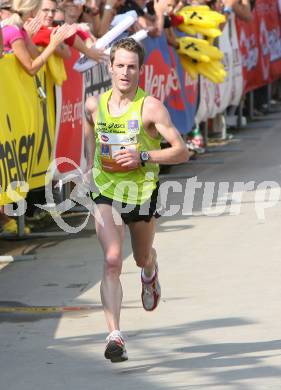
<point x="156" y="119"/>
<point x="156" y="113"/>
<point x="90" y="110"/>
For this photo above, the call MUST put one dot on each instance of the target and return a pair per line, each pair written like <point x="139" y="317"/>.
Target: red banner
<point x="260" y="45"/>
<point x="70" y="135"/>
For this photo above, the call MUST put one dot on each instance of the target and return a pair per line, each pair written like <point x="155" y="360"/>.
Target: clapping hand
<point x="59" y="34"/>
<point x="32" y="25"/>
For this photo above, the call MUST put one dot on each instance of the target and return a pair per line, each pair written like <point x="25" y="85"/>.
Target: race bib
<point x="110" y="144"/>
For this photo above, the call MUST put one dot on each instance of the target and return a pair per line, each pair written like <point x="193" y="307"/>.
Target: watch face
<point x="144" y="156"/>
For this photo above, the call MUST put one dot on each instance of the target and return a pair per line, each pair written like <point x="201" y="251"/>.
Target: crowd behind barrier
<point x="33" y="134"/>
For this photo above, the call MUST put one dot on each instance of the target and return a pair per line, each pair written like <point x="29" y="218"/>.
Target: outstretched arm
<point x="242" y="10"/>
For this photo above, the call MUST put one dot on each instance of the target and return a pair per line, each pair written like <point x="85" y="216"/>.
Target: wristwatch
<point x="144" y="157"/>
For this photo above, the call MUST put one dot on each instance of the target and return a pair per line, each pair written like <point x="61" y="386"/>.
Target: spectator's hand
<point x="178" y="6"/>
<point x="161" y="6"/>
<point x="152" y="31"/>
<point x="97" y="55"/>
<point x="59" y="34"/>
<point x="229" y="3"/>
<point x="113" y="3"/>
<point x="94" y="5"/>
<point x="135" y="27"/>
<point x="84" y="27"/>
<point x="32" y="25"/>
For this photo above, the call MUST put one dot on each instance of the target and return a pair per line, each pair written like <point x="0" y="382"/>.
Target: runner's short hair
<point x="128" y="44"/>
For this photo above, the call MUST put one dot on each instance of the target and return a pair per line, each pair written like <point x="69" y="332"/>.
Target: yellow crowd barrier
<point x="27" y="128"/>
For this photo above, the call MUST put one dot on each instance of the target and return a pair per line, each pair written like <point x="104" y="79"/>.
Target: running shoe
<point x="115" y="348"/>
<point x="151" y="291"/>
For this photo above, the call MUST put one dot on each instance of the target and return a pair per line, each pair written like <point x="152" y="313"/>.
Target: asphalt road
<point x="218" y="324"/>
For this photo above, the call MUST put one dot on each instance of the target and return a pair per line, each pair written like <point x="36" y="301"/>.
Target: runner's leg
<point x="142" y="236"/>
<point x="111" y="237"/>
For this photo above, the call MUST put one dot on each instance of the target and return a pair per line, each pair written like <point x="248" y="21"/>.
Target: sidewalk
<point x="218" y="325"/>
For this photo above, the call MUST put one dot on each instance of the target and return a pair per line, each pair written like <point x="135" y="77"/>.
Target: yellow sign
<point x="27" y="128"/>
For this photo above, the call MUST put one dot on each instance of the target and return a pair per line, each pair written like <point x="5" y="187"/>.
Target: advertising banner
<point x="215" y="98"/>
<point x="237" y="70"/>
<point x="163" y="78"/>
<point x="27" y="127"/>
<point x="260" y="45"/>
<point x="248" y="38"/>
<point x="97" y="80"/>
<point x="273" y="22"/>
<point x="69" y="120"/>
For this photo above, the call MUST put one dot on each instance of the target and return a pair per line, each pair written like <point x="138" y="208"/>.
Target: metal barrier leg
<point x="268" y="96"/>
<point x="251" y="105"/>
<point x="204" y="130"/>
<point x="223" y="126"/>
<point x="240" y="114"/>
<point x="21" y="224"/>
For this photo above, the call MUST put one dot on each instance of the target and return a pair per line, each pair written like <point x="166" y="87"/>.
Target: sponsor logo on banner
<point x="274" y="41"/>
<point x="249" y="50"/>
<point x="190" y="88"/>
<point x="161" y="80"/>
<point x="264" y="43"/>
<point x="217" y="99"/>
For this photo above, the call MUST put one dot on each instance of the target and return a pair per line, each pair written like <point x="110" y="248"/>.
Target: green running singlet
<point x="133" y="186"/>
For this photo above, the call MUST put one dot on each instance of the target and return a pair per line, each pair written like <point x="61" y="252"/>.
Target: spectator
<point x="81" y="11"/>
<point x="97" y="13"/>
<point x="16" y="35"/>
<point x="48" y="10"/>
<point x="77" y="39"/>
<point x="91" y="12"/>
<point x="151" y="14"/>
<point x="73" y="14"/>
<point x="108" y="10"/>
<point x="241" y="8"/>
<point x="5" y="9"/>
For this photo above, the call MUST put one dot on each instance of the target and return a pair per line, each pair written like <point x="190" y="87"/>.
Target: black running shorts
<point x="136" y="213"/>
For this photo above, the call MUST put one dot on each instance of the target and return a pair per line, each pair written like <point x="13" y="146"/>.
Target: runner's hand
<point x="129" y="158"/>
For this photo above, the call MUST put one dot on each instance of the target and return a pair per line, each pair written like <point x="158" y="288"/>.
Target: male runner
<point x="125" y="147"/>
